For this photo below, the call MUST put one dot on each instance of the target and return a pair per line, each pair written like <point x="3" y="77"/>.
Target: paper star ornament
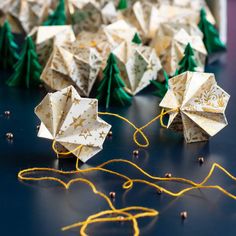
<point x="72" y="121"/>
<point x="46" y="37"/>
<point x="200" y="106"/>
<point x="138" y="65"/>
<point x="170" y="46"/>
<point x="72" y="65"/>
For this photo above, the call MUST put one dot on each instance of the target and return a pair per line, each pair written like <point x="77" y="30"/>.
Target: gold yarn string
<point x="123" y="214"/>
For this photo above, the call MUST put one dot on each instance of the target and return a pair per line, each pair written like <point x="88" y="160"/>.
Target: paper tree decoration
<point x="111" y="89"/>
<point x="71" y="64"/>
<point x="8" y="48"/>
<point x="200" y="105"/>
<point x="211" y="35"/>
<point x="188" y="62"/>
<point x="72" y="121"/>
<point x="58" y="17"/>
<point x="136" y="39"/>
<point x="122" y="4"/>
<point x="27" y="69"/>
<point x="138" y="65"/>
<point x="161" y="87"/>
<point x="46" y="37"/>
<point x="170" y="48"/>
<point x="24" y="15"/>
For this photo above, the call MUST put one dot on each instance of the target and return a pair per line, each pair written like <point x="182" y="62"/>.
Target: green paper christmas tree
<point x="8" y="48"/>
<point x="188" y="62"/>
<point x="161" y="87"/>
<point x="58" y="17"/>
<point x="122" y="5"/>
<point x="136" y="39"/>
<point x="111" y="88"/>
<point x="211" y="37"/>
<point x="27" y="69"/>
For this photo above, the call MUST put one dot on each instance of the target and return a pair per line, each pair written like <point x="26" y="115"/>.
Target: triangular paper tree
<point x="8" y="48"/>
<point x="161" y="87"/>
<point x="211" y="37"/>
<point x="58" y="17"/>
<point x="111" y="88"/>
<point x="136" y="39"/>
<point x="122" y="5"/>
<point x="27" y="69"/>
<point x="188" y="62"/>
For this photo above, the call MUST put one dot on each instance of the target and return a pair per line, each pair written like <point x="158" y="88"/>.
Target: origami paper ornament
<point x="138" y="65"/>
<point x="24" y="15"/>
<point x="72" y="121"/>
<point x="136" y="39"/>
<point x="107" y="38"/>
<point x="200" y="105"/>
<point x="145" y="17"/>
<point x="171" y="50"/>
<point x="72" y="65"/>
<point x="46" y="37"/>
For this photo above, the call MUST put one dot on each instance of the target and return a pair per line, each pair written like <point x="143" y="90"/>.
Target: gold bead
<point x="109" y="134"/>
<point x="201" y="160"/>
<point x="112" y="195"/>
<point x="168" y="175"/>
<point x="135" y="152"/>
<point x="9" y="135"/>
<point x="121" y="218"/>
<point x="184" y="215"/>
<point x="7" y="113"/>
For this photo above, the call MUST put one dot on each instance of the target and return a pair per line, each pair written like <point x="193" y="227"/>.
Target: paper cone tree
<point x="111" y="89"/>
<point x="211" y="35"/>
<point x="188" y="62"/>
<point x="161" y="87"/>
<point x="136" y="39"/>
<point x="27" y="69"/>
<point x="72" y="121"/>
<point x="8" y="48"/>
<point x="200" y="105"/>
<point x="122" y="5"/>
<point x="138" y="65"/>
<point x="58" y="17"/>
<point x="70" y="64"/>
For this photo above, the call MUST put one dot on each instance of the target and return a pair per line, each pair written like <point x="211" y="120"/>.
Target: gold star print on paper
<point x="102" y="135"/>
<point x="77" y="121"/>
<point x="48" y="115"/>
<point x="150" y="66"/>
<point x="93" y="104"/>
<point x="76" y="101"/>
<point x="85" y="133"/>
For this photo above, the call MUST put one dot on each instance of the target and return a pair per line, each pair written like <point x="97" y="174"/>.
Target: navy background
<point x="42" y="209"/>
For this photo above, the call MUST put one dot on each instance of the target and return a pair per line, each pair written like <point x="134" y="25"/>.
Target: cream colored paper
<point x="24" y="15"/>
<point x="170" y="44"/>
<point x="46" y="37"/>
<point x="71" y="64"/>
<point x="200" y="105"/>
<point x="72" y="121"/>
<point x="138" y="65"/>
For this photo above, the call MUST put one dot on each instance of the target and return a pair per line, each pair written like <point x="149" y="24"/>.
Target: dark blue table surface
<point x="42" y="209"/>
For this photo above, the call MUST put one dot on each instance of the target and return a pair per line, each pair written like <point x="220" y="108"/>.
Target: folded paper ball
<point x="72" y="121"/>
<point x="200" y="105"/>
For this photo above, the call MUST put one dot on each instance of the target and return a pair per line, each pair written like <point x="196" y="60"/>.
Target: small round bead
<point x="184" y="215"/>
<point x="112" y="195"/>
<point x="121" y="218"/>
<point x="201" y="160"/>
<point x="7" y="113"/>
<point x="37" y="127"/>
<point x="109" y="134"/>
<point x="9" y="135"/>
<point x="135" y="152"/>
<point x="168" y="175"/>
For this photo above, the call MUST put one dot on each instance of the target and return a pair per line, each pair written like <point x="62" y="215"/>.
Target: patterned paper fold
<point x="72" y="121"/>
<point x="200" y="105"/>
